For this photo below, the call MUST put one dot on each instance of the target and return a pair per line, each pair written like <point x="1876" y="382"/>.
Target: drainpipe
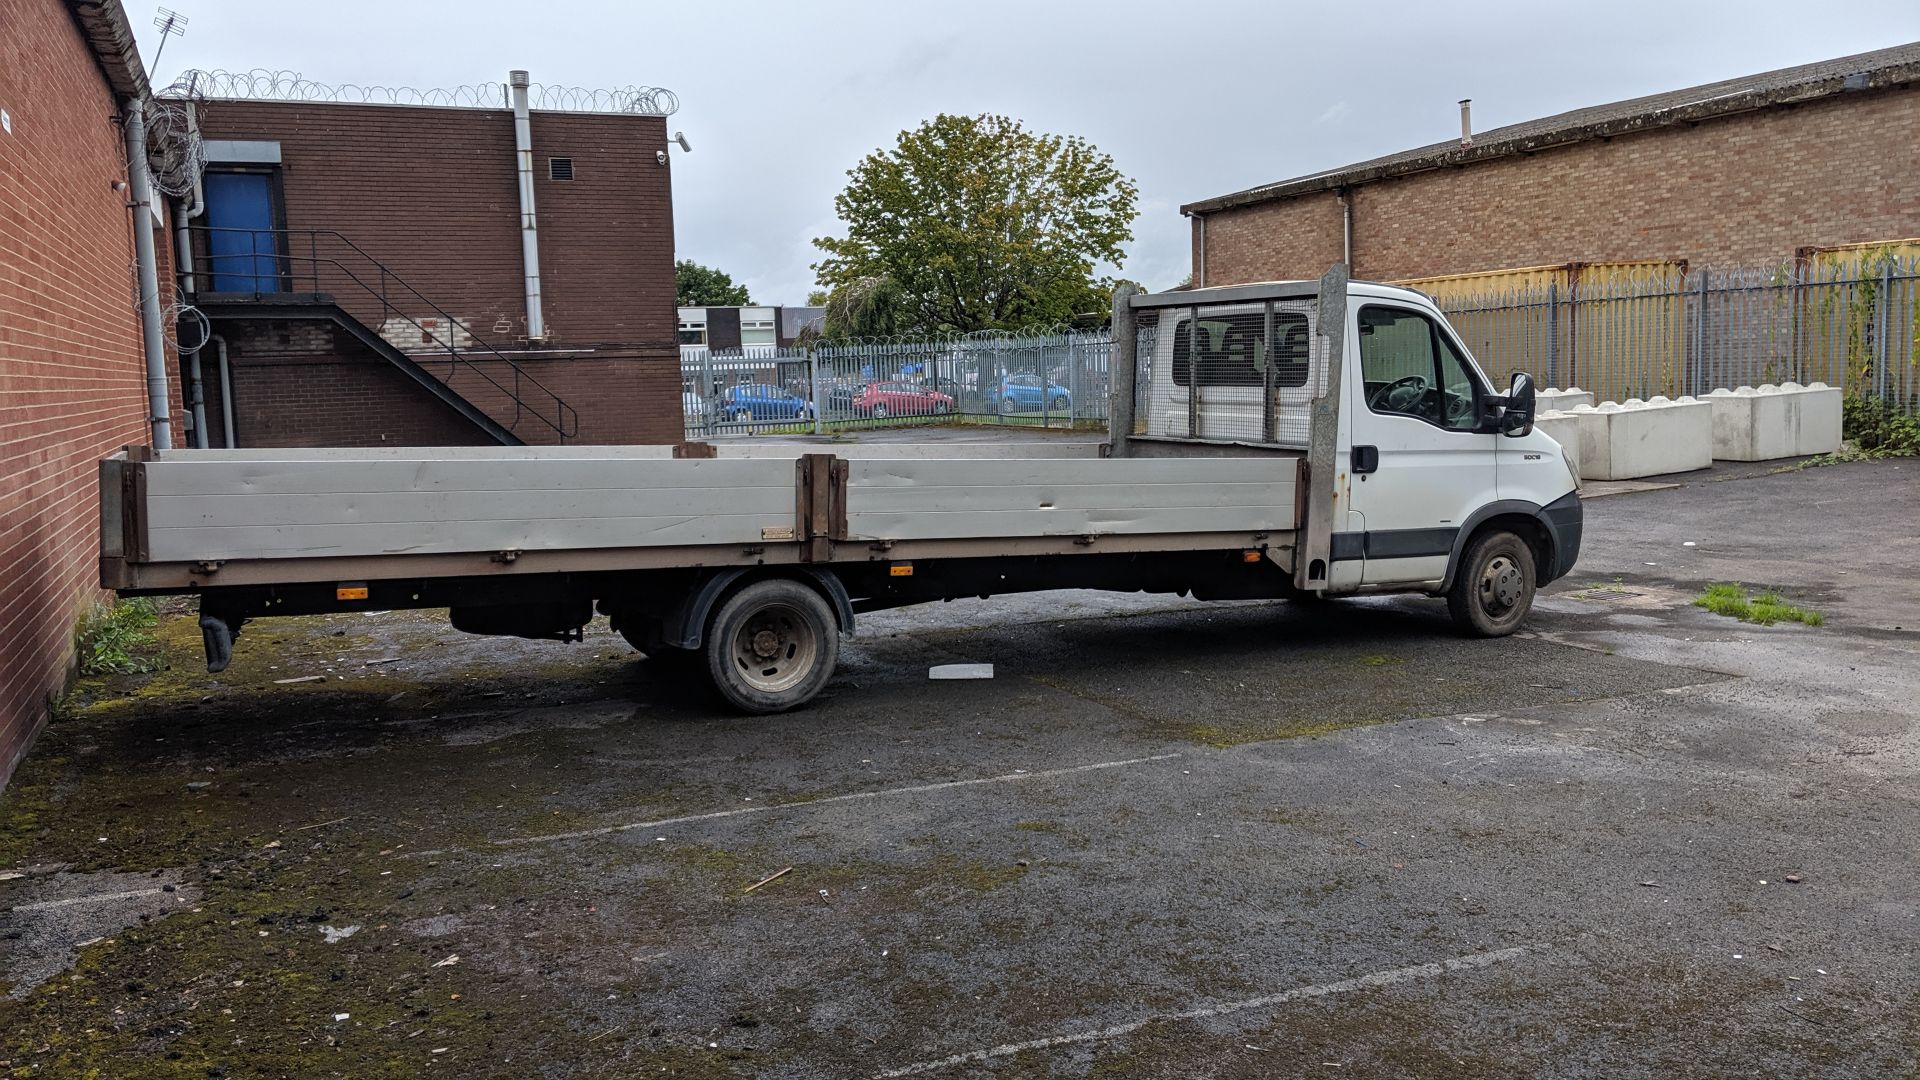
<point x="1346" y="228"/>
<point x="149" y="274"/>
<point x="1200" y="271"/>
<point x="183" y="264"/>
<point x="226" y="388"/>
<point x="183" y="267"/>
<point x="529" y="228"/>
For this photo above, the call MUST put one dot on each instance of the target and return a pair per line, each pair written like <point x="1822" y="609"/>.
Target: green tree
<point x="817" y="298"/>
<point x="703" y="286"/>
<point x="978" y="224"/>
<point x="867" y="307"/>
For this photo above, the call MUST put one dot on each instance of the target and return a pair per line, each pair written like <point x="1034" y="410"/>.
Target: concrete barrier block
<point x="1769" y="422"/>
<point x="1564" y="428"/>
<point x="1634" y="438"/>
<point x="1563" y="400"/>
<point x="1749" y="425"/>
<point x="1817" y="418"/>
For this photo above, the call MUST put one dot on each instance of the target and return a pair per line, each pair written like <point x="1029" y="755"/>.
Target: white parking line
<point x="1007" y="778"/>
<point x="1363" y="982"/>
<point x="99" y="898"/>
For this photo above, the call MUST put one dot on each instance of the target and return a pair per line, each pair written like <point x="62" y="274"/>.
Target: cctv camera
<point x="681" y="138"/>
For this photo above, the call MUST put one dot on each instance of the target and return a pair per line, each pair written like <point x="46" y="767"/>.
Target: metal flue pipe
<point x="1466" y="122"/>
<point x="529" y="226"/>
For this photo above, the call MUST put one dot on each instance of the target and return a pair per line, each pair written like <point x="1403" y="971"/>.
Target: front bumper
<point x="1564" y="519"/>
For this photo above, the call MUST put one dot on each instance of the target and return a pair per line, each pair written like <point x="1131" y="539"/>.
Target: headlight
<point x="1567" y="459"/>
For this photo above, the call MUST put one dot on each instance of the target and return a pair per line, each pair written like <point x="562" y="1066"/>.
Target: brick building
<point x="72" y="366"/>
<point x="362" y="268"/>
<point x="1748" y="171"/>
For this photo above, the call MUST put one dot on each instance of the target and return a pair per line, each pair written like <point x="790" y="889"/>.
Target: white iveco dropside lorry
<point x="1289" y="439"/>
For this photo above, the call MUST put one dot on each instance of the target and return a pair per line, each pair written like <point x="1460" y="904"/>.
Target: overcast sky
<point x="1192" y="99"/>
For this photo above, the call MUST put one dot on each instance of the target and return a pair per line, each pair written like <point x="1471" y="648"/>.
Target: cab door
<point x="1422" y="460"/>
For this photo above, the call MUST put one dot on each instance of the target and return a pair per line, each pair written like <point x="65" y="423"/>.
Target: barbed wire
<point x="261" y="84"/>
<point x="175" y="152"/>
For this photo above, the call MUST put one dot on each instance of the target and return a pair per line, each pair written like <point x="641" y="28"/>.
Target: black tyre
<point x="1493" y="586"/>
<point x="772" y="646"/>
<point x="1061" y="405"/>
<point x="1006" y="405"/>
<point x="880" y="411"/>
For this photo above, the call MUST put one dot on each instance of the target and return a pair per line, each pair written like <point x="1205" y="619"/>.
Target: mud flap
<point x="217" y="636"/>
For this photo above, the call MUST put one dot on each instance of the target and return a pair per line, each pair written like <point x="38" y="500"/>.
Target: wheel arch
<point x="1517" y="516"/>
<point x="685" y="627"/>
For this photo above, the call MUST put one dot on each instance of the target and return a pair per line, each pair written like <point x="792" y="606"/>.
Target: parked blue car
<point x="760" y="401"/>
<point x="1014" y="392"/>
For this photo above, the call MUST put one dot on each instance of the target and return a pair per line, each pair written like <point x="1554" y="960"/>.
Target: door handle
<point x="1366" y="459"/>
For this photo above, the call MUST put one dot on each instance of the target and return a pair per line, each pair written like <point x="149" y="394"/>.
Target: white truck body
<point x="1364" y="451"/>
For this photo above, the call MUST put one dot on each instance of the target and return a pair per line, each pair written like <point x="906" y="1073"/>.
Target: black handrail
<point x="283" y="271"/>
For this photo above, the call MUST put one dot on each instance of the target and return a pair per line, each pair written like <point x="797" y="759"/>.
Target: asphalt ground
<point x="1166" y="839"/>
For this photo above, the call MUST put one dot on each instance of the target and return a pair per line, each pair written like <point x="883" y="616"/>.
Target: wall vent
<point x="559" y="168"/>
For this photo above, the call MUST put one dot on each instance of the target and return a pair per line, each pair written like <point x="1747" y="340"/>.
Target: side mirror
<point x="1517" y="418"/>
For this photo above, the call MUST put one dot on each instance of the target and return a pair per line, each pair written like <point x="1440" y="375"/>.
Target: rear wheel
<point x="1493" y="586"/>
<point x="743" y="416"/>
<point x="772" y="646"/>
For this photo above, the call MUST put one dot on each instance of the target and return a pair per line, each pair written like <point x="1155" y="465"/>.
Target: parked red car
<point x="881" y="400"/>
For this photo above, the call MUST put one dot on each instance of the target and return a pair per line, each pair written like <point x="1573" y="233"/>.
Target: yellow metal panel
<point x="1834" y="322"/>
<point x="1628" y="329"/>
<point x="1461" y="286"/>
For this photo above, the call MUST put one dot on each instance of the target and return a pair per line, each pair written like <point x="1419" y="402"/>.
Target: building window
<point x="693" y="326"/>
<point x="757" y="327"/>
<point x="559" y="168"/>
<point x="758" y="332"/>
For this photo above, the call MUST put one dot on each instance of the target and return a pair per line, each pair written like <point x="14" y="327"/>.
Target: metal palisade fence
<point x="1055" y="379"/>
<point x="1848" y="319"/>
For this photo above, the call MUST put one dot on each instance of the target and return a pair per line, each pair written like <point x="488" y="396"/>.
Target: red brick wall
<point x="433" y="194"/>
<point x="298" y="384"/>
<point x="72" y="379"/>
<point x="1744" y="189"/>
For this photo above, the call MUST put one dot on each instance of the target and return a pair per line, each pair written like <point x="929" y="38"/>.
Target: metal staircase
<point x="307" y="274"/>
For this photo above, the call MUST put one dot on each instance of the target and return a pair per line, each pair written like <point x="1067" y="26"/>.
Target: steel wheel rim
<point x="775" y="648"/>
<point x="1501" y="585"/>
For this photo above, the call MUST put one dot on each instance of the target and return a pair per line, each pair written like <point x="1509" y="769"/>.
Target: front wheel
<point x="1006" y="405"/>
<point x="1493" y="586"/>
<point x="743" y="416"/>
<point x="772" y="646"/>
<point x="1061" y="405"/>
<point x="879" y="412"/>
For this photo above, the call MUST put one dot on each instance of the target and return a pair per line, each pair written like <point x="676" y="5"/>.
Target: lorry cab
<point x="1428" y="453"/>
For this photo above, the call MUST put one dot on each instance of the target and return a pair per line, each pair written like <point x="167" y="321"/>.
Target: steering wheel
<point x="1385" y="395"/>
<point x="1458" y="408"/>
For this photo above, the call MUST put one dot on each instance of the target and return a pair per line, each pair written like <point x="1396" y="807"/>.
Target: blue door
<point x="242" y="248"/>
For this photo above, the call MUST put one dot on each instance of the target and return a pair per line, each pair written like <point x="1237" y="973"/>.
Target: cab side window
<point x="1409" y="368"/>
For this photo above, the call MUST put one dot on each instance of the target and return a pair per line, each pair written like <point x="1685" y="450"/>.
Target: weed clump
<point x="112" y="639"/>
<point x="1765" y="609"/>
